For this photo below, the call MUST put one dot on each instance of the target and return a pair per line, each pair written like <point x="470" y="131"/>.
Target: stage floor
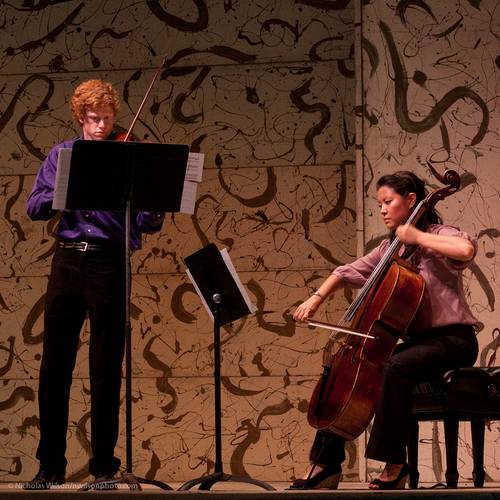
<point x="228" y="490"/>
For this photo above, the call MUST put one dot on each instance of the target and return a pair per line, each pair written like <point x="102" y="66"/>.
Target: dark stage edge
<point x="230" y="491"/>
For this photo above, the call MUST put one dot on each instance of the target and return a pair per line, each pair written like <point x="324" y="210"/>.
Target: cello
<point x="344" y="399"/>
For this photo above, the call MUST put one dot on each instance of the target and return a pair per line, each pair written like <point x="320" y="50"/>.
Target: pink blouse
<point x="444" y="300"/>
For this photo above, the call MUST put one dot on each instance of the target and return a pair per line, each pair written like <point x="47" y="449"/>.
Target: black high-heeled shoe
<point x="396" y="484"/>
<point x="327" y="478"/>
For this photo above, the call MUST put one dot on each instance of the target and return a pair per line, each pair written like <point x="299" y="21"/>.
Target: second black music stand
<point x="123" y="176"/>
<point x="222" y="293"/>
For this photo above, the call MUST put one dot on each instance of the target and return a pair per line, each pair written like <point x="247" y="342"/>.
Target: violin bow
<point x="144" y="99"/>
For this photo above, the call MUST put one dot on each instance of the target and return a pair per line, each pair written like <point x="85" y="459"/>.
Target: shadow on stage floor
<point x="232" y="490"/>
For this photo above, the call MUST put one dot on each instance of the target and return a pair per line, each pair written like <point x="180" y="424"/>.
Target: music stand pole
<point x="206" y="482"/>
<point x="217" y="298"/>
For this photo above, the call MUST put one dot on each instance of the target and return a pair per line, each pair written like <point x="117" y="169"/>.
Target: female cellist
<point x="442" y="336"/>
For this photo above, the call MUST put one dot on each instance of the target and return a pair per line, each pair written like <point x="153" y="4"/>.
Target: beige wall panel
<point x="21" y="327"/>
<point x="244" y="115"/>
<point x="20" y="430"/>
<point x="273" y="218"/>
<point x="173" y="334"/>
<point x="264" y="429"/>
<point x="105" y="35"/>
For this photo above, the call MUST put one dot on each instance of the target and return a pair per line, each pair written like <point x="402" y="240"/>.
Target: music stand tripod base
<point x="206" y="482"/>
<point x="133" y="482"/>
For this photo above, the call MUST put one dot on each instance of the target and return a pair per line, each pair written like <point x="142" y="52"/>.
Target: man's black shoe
<point x="44" y="480"/>
<point x="103" y="482"/>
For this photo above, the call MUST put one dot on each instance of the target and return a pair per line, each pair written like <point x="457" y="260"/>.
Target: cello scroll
<point x="451" y="179"/>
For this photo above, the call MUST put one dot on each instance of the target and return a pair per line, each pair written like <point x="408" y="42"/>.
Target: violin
<point x="121" y="136"/>
<point x="344" y="399"/>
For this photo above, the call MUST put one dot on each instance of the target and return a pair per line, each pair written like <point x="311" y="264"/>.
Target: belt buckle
<point x="84" y="247"/>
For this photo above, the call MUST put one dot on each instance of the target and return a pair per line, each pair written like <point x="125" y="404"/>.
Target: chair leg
<point x="477" y="430"/>
<point x="451" y="441"/>
<point x="413" y="454"/>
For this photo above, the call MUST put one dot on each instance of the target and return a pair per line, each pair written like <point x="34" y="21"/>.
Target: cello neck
<point x="388" y="256"/>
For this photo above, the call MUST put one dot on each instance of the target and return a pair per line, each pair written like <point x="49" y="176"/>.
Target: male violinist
<point x="87" y="278"/>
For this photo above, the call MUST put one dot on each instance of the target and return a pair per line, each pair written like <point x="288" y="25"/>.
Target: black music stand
<point x="125" y="176"/>
<point x="223" y="295"/>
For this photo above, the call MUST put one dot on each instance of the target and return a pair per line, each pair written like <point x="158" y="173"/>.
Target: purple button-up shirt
<point x="86" y="225"/>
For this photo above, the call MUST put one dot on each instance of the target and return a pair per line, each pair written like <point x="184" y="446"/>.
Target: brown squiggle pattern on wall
<point x="325" y="4"/>
<point x="401" y="98"/>
<point x="269" y="23"/>
<point x="344" y="70"/>
<point x="162" y="383"/>
<point x="10" y="350"/>
<point x="154" y="463"/>
<point x="296" y="96"/>
<point x="9" y="111"/>
<point x="25" y="393"/>
<point x="404" y="4"/>
<point x="20" y="126"/>
<point x="340" y="205"/>
<point x="177" y="305"/>
<point x="451" y="29"/>
<point x="327" y="254"/>
<point x="177" y="112"/>
<point x="372" y="53"/>
<point x="238" y="391"/>
<point x="100" y="34"/>
<point x="199" y="25"/>
<point x="17" y="229"/>
<point x="33" y="316"/>
<point x="313" y="52"/>
<point x="253" y="433"/>
<point x="27" y="424"/>
<point x="488" y="354"/>
<point x="484" y="283"/>
<point x="257" y="201"/>
<point x="227" y="52"/>
<point x="286" y="330"/>
<point x="51" y="36"/>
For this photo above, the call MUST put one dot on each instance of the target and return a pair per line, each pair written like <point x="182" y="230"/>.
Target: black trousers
<point x="423" y="358"/>
<point x="82" y="283"/>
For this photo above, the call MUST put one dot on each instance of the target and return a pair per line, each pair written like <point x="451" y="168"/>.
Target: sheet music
<point x="188" y="199"/>
<point x="62" y="179"/>
<point x="194" y="169"/>
<point x="200" y="294"/>
<point x="194" y="172"/>
<point x="227" y="259"/>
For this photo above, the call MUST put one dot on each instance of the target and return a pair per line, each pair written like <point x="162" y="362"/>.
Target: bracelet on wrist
<point x="319" y="295"/>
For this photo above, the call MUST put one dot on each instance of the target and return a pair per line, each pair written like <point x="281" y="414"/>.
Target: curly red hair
<point x="93" y="94"/>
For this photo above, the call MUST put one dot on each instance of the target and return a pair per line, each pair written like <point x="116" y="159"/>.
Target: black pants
<point x="424" y="358"/>
<point x="82" y="283"/>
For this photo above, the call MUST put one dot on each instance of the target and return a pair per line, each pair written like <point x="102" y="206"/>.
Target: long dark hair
<point x="405" y="182"/>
